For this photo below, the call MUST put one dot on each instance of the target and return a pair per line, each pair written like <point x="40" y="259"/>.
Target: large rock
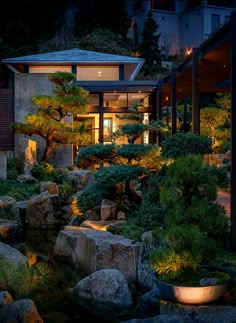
<point x="10" y="231"/>
<point x="27" y="179"/>
<point x="146" y="275"/>
<point x="21" y="311"/>
<point x="80" y="178"/>
<point x="8" y="205"/>
<point x="92" y="250"/>
<point x="108" y="210"/>
<point x="11" y="254"/>
<point x="51" y="187"/>
<point x="5" y="298"/>
<point x="105" y="293"/>
<point x="110" y="226"/>
<point x="39" y="212"/>
<point x="26" y="155"/>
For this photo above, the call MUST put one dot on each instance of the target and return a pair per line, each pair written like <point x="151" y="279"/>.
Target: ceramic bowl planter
<point x="199" y="294"/>
<point x="192" y="295"/>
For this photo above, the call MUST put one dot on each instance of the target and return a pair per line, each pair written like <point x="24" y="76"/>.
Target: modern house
<point x="182" y="24"/>
<point x="110" y="80"/>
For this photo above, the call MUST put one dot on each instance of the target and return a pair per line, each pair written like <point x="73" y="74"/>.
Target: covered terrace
<point x="210" y="68"/>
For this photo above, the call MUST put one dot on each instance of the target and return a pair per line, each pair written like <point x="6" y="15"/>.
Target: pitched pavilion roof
<point x="78" y="56"/>
<point x="74" y="55"/>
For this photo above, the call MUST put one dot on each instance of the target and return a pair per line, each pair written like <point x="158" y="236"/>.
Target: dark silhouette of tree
<point x="149" y="48"/>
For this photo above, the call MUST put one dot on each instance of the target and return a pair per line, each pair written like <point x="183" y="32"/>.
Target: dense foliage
<point x="51" y="119"/>
<point x="95" y="154"/>
<point x="194" y="224"/>
<point x="149" y="48"/>
<point x="182" y="144"/>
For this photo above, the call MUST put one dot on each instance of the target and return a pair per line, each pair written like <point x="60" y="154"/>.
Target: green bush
<point x="12" y="168"/>
<point x="222" y="175"/>
<point x="182" y="144"/>
<point x="118" y="173"/>
<point x="17" y="190"/>
<point x="95" y="154"/>
<point x="194" y="224"/>
<point x="23" y="280"/>
<point x="47" y="172"/>
<point x="92" y="196"/>
<point x="65" y="191"/>
<point x="134" y="151"/>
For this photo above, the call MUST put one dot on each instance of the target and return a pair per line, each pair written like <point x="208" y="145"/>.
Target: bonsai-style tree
<point x="95" y="154"/>
<point x="215" y="122"/>
<point x="149" y="47"/>
<point x="194" y="223"/>
<point x="53" y="121"/>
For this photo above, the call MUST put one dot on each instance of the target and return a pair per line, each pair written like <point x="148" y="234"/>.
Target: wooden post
<point x="159" y="110"/>
<point x="101" y="119"/>
<point x="185" y="114"/>
<point x="195" y="92"/>
<point x="233" y="129"/>
<point x="173" y="101"/>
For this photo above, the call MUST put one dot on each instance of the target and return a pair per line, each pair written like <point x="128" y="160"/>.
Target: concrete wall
<point x="180" y="29"/>
<point x="192" y="28"/>
<point x="169" y="27"/>
<point x="26" y="86"/>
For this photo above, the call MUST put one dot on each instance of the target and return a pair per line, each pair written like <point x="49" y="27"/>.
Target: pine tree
<point x="52" y="121"/>
<point x="149" y="47"/>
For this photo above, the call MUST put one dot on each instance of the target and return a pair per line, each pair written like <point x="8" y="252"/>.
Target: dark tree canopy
<point x="149" y="47"/>
<point x="94" y="14"/>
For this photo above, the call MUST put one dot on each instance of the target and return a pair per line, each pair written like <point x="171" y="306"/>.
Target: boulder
<point x="10" y="231"/>
<point x="23" y="311"/>
<point x="11" y="254"/>
<point x="8" y="205"/>
<point x="39" y="212"/>
<point x="108" y="210"/>
<point x="105" y="293"/>
<point x="92" y="250"/>
<point x="94" y="214"/>
<point x="27" y="179"/>
<point x="26" y="155"/>
<point x="110" y="226"/>
<point x="146" y="275"/>
<point x="149" y="304"/>
<point x="121" y="215"/>
<point x="51" y="187"/>
<point x="80" y="178"/>
<point x="5" y="298"/>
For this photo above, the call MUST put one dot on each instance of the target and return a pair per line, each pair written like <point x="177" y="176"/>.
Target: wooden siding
<point x="6" y="118"/>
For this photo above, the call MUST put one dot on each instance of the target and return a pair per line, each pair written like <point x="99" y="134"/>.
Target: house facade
<point x="182" y="24"/>
<point x="110" y="80"/>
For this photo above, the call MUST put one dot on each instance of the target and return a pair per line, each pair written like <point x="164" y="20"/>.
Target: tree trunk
<point x="47" y="153"/>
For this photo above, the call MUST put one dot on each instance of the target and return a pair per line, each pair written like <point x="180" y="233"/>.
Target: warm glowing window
<point x="98" y="73"/>
<point x="49" y="69"/>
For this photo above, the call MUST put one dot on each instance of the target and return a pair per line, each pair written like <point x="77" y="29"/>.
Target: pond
<point x="55" y="303"/>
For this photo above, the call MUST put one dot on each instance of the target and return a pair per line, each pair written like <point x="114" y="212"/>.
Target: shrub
<point x="17" y="190"/>
<point x="47" y="172"/>
<point x="182" y="144"/>
<point x="92" y="195"/>
<point x="118" y="173"/>
<point x="12" y="168"/>
<point x="134" y="151"/>
<point x="194" y="224"/>
<point x="23" y="279"/>
<point x="95" y="154"/>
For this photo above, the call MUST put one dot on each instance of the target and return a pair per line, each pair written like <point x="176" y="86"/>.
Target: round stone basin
<point x="192" y="295"/>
